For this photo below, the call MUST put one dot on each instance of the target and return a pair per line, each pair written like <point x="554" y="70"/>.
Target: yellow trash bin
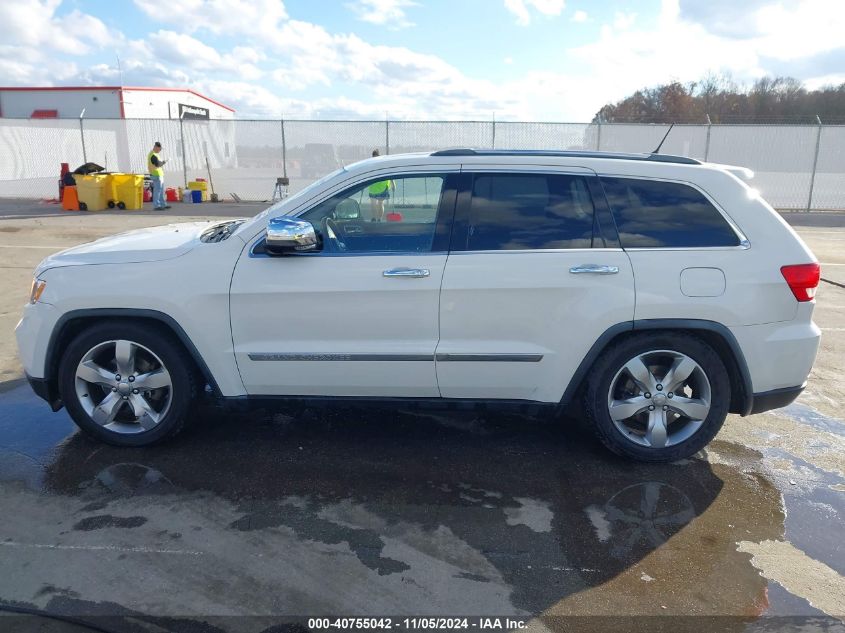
<point x="93" y="191"/>
<point x="199" y="185"/>
<point x="127" y="191"/>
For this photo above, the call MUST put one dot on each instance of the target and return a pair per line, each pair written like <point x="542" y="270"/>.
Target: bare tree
<point x="769" y="99"/>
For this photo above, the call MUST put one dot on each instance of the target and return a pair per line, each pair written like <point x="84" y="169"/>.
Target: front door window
<point x="388" y="215"/>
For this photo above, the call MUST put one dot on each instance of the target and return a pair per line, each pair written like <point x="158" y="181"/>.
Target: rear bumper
<point x="780" y="355"/>
<point x="775" y="399"/>
<point x="46" y="390"/>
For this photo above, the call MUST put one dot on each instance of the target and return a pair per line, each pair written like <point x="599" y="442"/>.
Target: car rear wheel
<point x="126" y="384"/>
<point x="658" y="397"/>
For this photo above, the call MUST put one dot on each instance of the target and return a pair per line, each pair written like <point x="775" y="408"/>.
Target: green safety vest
<point x="379" y="187"/>
<point x="154" y="171"/>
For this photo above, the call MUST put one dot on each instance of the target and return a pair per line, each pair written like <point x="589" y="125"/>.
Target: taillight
<point x="802" y="279"/>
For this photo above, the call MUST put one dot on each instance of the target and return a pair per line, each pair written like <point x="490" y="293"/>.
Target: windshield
<point x="302" y="193"/>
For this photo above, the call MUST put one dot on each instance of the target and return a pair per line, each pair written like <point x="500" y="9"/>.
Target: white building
<point x="108" y="102"/>
<point x="41" y="128"/>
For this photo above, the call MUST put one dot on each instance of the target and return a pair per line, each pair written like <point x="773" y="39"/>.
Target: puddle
<point x="804" y="414"/>
<point x="349" y="511"/>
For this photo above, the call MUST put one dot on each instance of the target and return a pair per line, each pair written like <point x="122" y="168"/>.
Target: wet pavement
<point x="248" y="517"/>
<point x="347" y="512"/>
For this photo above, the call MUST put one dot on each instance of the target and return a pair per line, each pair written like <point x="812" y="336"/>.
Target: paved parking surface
<point x="351" y="511"/>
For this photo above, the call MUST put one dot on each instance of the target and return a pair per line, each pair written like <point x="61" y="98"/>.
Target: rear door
<point x="535" y="275"/>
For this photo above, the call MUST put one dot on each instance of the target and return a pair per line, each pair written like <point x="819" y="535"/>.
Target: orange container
<point x="70" y="199"/>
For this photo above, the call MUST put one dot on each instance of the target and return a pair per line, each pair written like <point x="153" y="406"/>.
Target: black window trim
<point x="744" y="242"/>
<point x="606" y="232"/>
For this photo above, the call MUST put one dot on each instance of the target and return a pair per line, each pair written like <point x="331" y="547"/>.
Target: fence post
<point x="82" y="136"/>
<point x="386" y="134"/>
<point x="284" y="152"/>
<point x="184" y="154"/>
<point x="815" y="164"/>
<point x="493" y="140"/>
<point x="598" y="136"/>
<point x="707" y="142"/>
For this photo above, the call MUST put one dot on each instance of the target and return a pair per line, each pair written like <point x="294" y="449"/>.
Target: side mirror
<point x="288" y="236"/>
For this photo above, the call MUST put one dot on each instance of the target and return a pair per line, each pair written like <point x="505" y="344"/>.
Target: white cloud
<point x="508" y="60"/>
<point x="580" y="16"/>
<point x="34" y="23"/>
<point x="390" y="13"/>
<point x="680" y="46"/>
<point x="781" y="30"/>
<point x="280" y="59"/>
<point x="182" y="49"/>
<point x="835" y="79"/>
<point x="253" y="18"/>
<point x="623" y="21"/>
<point x="521" y="9"/>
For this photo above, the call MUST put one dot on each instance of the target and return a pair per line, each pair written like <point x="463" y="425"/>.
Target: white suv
<point x="654" y="292"/>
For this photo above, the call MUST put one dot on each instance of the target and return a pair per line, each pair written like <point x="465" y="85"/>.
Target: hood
<point x="153" y="244"/>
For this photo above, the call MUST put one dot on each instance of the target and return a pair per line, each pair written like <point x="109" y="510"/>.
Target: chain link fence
<point x="796" y="166"/>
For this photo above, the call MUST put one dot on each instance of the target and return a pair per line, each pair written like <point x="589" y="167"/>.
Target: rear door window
<point x="528" y="212"/>
<point x="657" y="214"/>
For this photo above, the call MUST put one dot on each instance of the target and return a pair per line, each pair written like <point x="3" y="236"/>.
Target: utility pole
<point x="815" y="163"/>
<point x="284" y="151"/>
<point x="82" y="135"/>
<point x="184" y="155"/>
<point x="598" y="134"/>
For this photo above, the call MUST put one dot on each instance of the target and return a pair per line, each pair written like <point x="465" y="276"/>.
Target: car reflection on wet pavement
<point x="352" y="512"/>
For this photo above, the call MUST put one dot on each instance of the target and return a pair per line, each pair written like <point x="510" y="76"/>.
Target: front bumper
<point x="33" y="334"/>
<point x="46" y="390"/>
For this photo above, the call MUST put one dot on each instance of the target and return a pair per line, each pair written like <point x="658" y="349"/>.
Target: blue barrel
<point x="196" y="195"/>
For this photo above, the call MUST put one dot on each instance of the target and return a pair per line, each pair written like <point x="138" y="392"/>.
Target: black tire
<point x="184" y="380"/>
<point x="83" y="206"/>
<point x="111" y="204"/>
<point x="614" y="358"/>
<point x="121" y="205"/>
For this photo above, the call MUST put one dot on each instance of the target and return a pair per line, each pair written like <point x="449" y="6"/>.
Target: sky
<point x="527" y="60"/>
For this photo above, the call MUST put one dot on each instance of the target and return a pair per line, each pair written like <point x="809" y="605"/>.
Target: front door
<point x="359" y="318"/>
<point x="535" y="276"/>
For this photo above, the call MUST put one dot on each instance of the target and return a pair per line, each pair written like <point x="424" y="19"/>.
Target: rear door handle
<point x="407" y="272"/>
<point x="594" y="269"/>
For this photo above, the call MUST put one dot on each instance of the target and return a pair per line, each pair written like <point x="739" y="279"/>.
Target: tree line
<point x="767" y="100"/>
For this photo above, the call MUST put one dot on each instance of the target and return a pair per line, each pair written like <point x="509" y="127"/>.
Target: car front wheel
<point x="127" y="384"/>
<point x="658" y="397"/>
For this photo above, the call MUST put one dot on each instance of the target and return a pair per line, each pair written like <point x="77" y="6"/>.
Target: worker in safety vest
<point x="379" y="195"/>
<point x="155" y="166"/>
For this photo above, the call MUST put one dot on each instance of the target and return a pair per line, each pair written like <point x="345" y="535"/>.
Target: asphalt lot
<point x="355" y="512"/>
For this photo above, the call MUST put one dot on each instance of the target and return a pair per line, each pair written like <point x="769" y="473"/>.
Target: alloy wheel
<point x="123" y="386"/>
<point x="659" y="398"/>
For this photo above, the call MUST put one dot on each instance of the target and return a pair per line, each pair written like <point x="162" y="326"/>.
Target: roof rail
<point x="657" y="158"/>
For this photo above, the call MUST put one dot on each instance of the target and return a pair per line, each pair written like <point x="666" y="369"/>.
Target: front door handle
<point x="407" y="272"/>
<point x="594" y="269"/>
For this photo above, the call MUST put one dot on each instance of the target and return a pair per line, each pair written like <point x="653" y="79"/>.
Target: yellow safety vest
<point x="154" y="171"/>
<point x="379" y="187"/>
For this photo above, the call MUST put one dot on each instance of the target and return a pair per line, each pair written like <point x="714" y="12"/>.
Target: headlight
<point x="37" y="289"/>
